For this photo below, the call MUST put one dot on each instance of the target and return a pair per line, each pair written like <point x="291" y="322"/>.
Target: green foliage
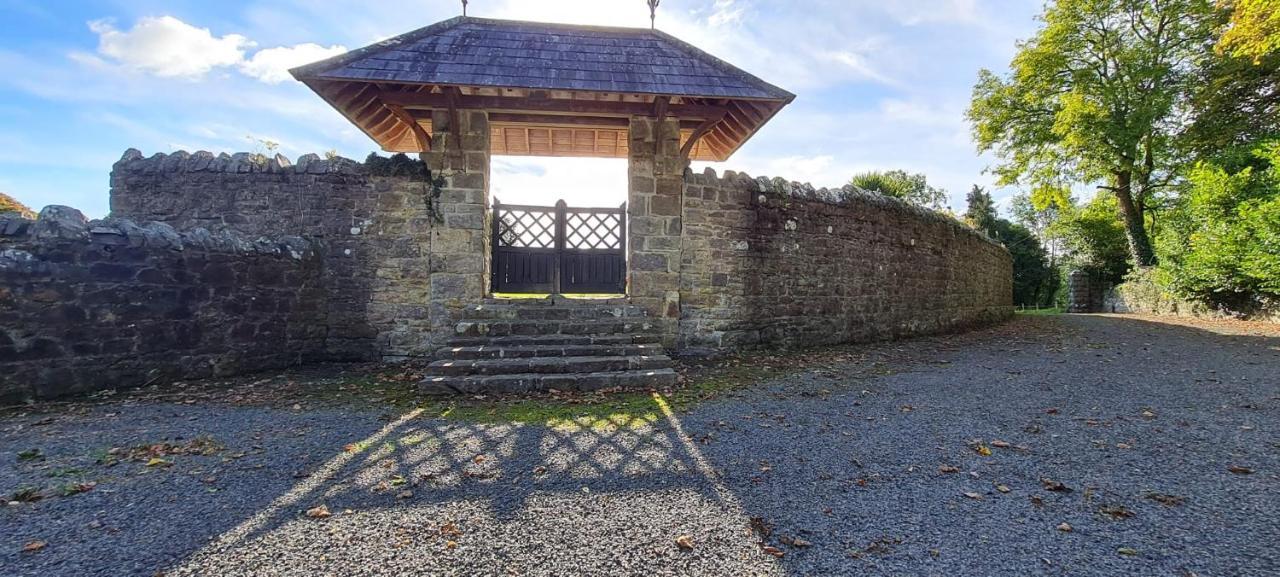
<point x="1093" y="97"/>
<point x="10" y="204"/>
<point x="1235" y="103"/>
<point x="1222" y="241"/>
<point x="1254" y="31"/>
<point x="1034" y="281"/>
<point x="981" y="211"/>
<point x="913" y="188"/>
<point x="1092" y="238"/>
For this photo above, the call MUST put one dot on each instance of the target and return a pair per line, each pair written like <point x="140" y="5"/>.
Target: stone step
<point x="490" y="351"/>
<point x="512" y="312"/>
<point x="555" y="340"/>
<point x="496" y="328"/>
<point x="544" y="365"/>
<point x="534" y="382"/>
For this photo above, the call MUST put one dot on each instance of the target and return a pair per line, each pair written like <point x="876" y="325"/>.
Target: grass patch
<point x="1040" y="312"/>
<point x="601" y="411"/>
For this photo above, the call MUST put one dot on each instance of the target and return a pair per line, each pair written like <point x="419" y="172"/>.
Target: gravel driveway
<point x="1072" y="445"/>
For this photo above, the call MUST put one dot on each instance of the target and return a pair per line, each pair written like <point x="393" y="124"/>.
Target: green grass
<point x="1040" y="312"/>
<point x="610" y="411"/>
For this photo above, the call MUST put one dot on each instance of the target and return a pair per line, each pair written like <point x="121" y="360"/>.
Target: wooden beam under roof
<point x="420" y="100"/>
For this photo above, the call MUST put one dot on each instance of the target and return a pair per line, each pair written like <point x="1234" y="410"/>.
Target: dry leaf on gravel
<point x="1240" y="470"/>
<point x="684" y="542"/>
<point x="776" y="552"/>
<point x="973" y="496"/>
<point x="948" y="469"/>
<point x="320" y="512"/>
<point x="33" y="546"/>
<point x="1166" y="499"/>
<point x="1065" y="527"/>
<point x="982" y="450"/>
<point x="1000" y="444"/>
<point x="1003" y="488"/>
<point x="1055" y="486"/>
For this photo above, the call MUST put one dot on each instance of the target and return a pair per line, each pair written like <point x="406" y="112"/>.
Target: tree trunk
<point x="1134" y="227"/>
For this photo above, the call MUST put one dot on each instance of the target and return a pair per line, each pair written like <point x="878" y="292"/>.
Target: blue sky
<point x="880" y="84"/>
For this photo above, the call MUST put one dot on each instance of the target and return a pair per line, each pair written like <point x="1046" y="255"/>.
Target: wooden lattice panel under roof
<point x="550" y="89"/>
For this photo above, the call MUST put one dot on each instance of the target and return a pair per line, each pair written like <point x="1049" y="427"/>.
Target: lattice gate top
<point x="559" y="249"/>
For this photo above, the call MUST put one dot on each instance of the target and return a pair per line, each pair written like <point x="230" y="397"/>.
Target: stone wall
<point x="769" y="262"/>
<point x="377" y="229"/>
<point x="86" y="306"/>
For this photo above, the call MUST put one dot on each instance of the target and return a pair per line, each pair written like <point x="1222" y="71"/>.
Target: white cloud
<point x="272" y="65"/>
<point x="168" y="47"/>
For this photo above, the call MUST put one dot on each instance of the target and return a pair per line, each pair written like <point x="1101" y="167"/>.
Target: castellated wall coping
<point x="779" y="189"/>
<point x="133" y="161"/>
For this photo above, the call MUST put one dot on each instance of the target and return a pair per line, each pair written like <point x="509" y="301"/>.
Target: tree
<point x="10" y="204"/>
<point x="1032" y="277"/>
<point x="912" y="188"/>
<point x="1254" y="30"/>
<point x="981" y="211"/>
<point x="1222" y="243"/>
<point x="1095" y="97"/>
<point x="1093" y="238"/>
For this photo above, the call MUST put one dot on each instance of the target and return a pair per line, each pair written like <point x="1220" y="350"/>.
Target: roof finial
<point x="653" y="11"/>
<point x="464" y="7"/>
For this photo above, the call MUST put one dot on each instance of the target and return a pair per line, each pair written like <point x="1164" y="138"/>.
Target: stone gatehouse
<point x="394" y="259"/>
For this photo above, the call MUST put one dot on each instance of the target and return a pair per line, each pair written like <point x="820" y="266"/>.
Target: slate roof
<point x="470" y="51"/>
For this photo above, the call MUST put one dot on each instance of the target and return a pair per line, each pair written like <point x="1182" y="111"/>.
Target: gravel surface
<point x="1118" y="446"/>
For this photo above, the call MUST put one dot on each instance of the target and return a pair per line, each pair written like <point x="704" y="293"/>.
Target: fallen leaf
<point x="982" y="450"/>
<point x="1003" y="488"/>
<point x="761" y="527"/>
<point x="405" y="494"/>
<point x="450" y="544"/>
<point x="973" y="496"/>
<point x="1065" y="527"/>
<point x="320" y="512"/>
<point x="33" y="546"/>
<point x="1148" y="414"/>
<point x="158" y="462"/>
<point x="1123" y="446"/>
<point x="1051" y="485"/>
<point x="1127" y="551"/>
<point x="801" y="543"/>
<point x="1239" y="470"/>
<point x="1166" y="499"/>
<point x="776" y="552"/>
<point x="684" y="542"/>
<point x="450" y="530"/>
<point x="1051" y="411"/>
<point x="948" y="469"/>
<point x="30" y="455"/>
<point x="1000" y="444"/>
<point x="1116" y="511"/>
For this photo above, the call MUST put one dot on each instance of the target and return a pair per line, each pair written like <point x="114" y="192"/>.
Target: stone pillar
<point x="459" y="248"/>
<point x="656" y="174"/>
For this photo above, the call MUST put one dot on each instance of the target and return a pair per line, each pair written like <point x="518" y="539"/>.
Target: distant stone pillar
<point x="459" y="246"/>
<point x="655" y="172"/>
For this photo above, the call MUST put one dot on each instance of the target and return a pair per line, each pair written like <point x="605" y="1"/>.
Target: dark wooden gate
<point x="559" y="249"/>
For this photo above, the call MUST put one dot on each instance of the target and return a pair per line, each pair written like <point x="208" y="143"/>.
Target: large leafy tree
<point x="1096" y="96"/>
<point x="911" y="187"/>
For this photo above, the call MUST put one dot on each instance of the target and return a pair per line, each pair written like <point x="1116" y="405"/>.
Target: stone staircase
<point x="528" y="345"/>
